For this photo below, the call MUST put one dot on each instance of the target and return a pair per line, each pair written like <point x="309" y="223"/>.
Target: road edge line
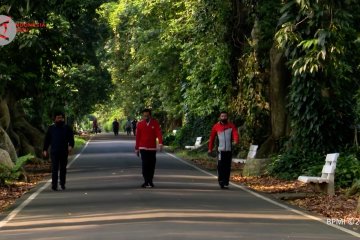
<point x="321" y="220"/>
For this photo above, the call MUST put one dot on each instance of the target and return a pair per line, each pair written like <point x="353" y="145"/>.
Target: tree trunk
<point x="279" y="81"/>
<point x="5" y="158"/>
<point x="4" y="114"/>
<point x="29" y="137"/>
<point x="6" y="144"/>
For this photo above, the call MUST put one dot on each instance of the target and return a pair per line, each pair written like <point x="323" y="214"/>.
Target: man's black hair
<point x="224" y="112"/>
<point x="146" y="110"/>
<point x="58" y="113"/>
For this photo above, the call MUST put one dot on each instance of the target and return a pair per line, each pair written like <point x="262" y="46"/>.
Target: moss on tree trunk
<point x="279" y="80"/>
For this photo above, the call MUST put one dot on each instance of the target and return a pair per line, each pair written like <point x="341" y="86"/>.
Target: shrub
<point x="347" y="170"/>
<point x="11" y="174"/>
<point x="79" y="142"/>
<point x="168" y="139"/>
<point x="195" y="127"/>
<point x="292" y="164"/>
<point x="5" y="173"/>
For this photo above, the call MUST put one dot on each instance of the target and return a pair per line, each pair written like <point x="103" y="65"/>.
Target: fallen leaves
<point x="296" y="193"/>
<point x="339" y="206"/>
<point x="272" y="185"/>
<point x="34" y="173"/>
<point x="9" y="193"/>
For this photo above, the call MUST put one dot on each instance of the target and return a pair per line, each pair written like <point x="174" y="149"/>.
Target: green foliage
<point x="347" y="170"/>
<point x="21" y="161"/>
<point x="5" y="174"/>
<point x="195" y="127"/>
<point x="318" y="39"/>
<point x="355" y="188"/>
<point x="251" y="103"/>
<point x="107" y="113"/>
<point x="168" y="53"/>
<point x="58" y="65"/>
<point x="267" y="14"/>
<point x="79" y="142"/>
<point x="11" y="174"/>
<point x="169" y="139"/>
<point x="251" y="98"/>
<point x="291" y="164"/>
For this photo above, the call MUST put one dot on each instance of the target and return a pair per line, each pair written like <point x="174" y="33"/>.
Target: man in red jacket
<point x="148" y="130"/>
<point x="226" y="133"/>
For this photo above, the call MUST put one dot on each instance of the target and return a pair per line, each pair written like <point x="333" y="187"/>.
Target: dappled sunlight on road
<point x="175" y="215"/>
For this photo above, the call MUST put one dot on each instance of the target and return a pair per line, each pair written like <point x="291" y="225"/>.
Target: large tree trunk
<point x="5" y="141"/>
<point x="6" y="145"/>
<point x="17" y="135"/>
<point x="31" y="138"/>
<point x="4" y="114"/>
<point x="5" y="159"/>
<point x="279" y="81"/>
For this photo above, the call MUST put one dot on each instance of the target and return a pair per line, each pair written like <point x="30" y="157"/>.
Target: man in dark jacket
<point x="61" y="139"/>
<point x="115" y="125"/>
<point x="134" y="125"/>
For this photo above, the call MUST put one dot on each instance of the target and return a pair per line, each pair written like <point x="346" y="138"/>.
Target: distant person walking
<point x="226" y="133"/>
<point x="115" y="126"/>
<point x="60" y="138"/>
<point x="128" y="127"/>
<point x="95" y="126"/>
<point x="148" y="130"/>
<point x="134" y="125"/>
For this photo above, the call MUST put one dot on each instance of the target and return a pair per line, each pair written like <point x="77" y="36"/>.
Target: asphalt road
<point x="104" y="200"/>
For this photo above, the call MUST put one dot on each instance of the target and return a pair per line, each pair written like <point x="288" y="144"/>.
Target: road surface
<point x="104" y="200"/>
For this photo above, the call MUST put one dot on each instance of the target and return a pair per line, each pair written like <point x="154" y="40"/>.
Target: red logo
<point x="7" y="30"/>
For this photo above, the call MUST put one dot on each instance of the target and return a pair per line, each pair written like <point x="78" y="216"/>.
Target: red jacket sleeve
<point x="212" y="138"/>
<point x="235" y="134"/>
<point x="158" y="133"/>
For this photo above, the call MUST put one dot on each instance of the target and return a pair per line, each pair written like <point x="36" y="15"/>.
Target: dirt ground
<point x="35" y="173"/>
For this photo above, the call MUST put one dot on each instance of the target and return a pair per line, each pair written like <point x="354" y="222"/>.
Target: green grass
<point x="79" y="142"/>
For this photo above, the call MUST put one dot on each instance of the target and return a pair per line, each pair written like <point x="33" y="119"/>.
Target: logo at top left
<point x="7" y="30"/>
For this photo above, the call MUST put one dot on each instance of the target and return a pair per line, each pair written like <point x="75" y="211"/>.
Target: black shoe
<point x="54" y="188"/>
<point x="144" y="185"/>
<point x="63" y="187"/>
<point x="151" y="185"/>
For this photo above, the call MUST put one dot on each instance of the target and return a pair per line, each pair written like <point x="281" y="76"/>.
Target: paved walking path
<point x="103" y="200"/>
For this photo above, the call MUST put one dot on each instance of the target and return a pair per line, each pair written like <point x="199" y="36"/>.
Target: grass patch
<point x="79" y="142"/>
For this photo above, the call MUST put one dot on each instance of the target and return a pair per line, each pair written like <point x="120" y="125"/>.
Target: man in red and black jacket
<point x="226" y="133"/>
<point x="148" y="130"/>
